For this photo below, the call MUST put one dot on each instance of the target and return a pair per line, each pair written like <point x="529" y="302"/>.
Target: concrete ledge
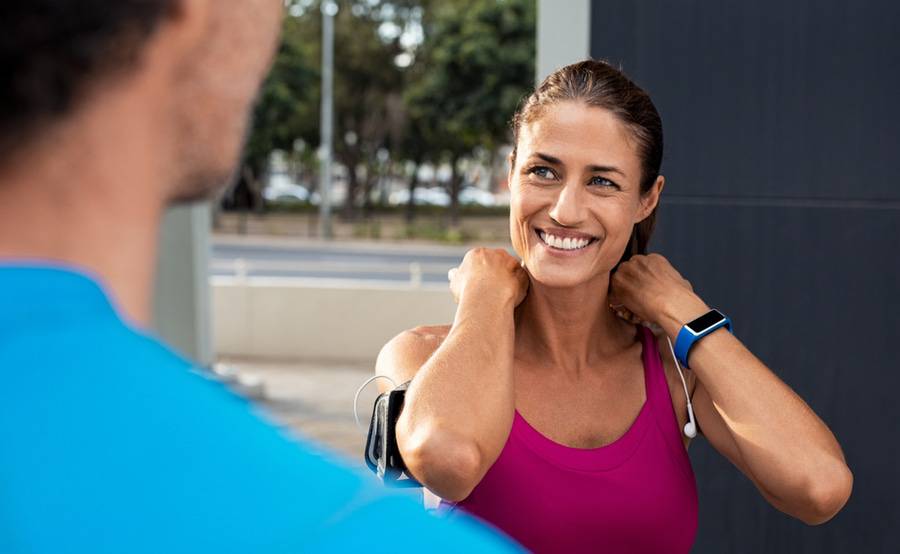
<point x="309" y="319"/>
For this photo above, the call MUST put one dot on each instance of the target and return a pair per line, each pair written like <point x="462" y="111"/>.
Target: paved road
<point x="254" y="257"/>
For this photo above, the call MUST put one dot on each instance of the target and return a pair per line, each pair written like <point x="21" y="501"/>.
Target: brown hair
<point x="598" y="84"/>
<point x="52" y="51"/>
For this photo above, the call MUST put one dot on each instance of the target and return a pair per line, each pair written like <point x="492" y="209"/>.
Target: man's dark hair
<point x="51" y="50"/>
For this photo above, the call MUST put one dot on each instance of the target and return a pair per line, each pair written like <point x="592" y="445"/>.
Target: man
<point x="109" y="112"/>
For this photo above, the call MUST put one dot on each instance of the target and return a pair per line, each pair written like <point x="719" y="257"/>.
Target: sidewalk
<point x="315" y="399"/>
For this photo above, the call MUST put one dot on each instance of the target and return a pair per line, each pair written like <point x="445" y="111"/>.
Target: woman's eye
<point x="603" y="182"/>
<point x="542" y="172"/>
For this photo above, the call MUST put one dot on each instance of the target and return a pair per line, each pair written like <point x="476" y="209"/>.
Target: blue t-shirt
<point x="109" y="442"/>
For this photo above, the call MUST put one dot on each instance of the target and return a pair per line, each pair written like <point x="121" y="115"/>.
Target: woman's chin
<point x="560" y="278"/>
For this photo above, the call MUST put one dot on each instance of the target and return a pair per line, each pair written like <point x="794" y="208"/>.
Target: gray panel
<point x="766" y="98"/>
<point x="182" y="295"/>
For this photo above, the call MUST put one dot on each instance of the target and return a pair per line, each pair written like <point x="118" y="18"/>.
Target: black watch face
<point x="704" y="322"/>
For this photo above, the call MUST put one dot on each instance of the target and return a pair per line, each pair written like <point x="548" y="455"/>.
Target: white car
<point x="423" y="197"/>
<point x="474" y="196"/>
<point x="287" y="192"/>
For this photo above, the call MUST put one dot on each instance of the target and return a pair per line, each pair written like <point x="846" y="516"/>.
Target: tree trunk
<point x="249" y="181"/>
<point x="371" y="178"/>
<point x="411" y="203"/>
<point x="455" y="182"/>
<point x="352" y="187"/>
<point x="253" y="178"/>
<point x="384" y="183"/>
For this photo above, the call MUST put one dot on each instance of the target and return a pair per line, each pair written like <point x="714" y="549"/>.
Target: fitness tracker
<point x="695" y="330"/>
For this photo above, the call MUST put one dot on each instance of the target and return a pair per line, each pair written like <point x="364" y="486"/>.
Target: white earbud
<point x="690" y="428"/>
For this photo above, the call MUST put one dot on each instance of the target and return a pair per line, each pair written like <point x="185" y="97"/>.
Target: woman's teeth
<point x="563" y="244"/>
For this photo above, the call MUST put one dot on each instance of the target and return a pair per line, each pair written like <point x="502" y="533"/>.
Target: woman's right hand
<point x="489" y="271"/>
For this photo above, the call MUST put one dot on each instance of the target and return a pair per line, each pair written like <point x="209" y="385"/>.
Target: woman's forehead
<point x="580" y="135"/>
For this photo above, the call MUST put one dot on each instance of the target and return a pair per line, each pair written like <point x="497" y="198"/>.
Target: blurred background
<point x="378" y="157"/>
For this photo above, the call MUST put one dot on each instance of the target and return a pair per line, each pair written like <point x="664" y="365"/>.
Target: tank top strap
<point x="659" y="399"/>
<point x="654" y="373"/>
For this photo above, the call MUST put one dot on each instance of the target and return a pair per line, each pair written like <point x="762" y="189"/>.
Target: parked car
<point x="286" y="192"/>
<point x="434" y="196"/>
<point x="475" y="196"/>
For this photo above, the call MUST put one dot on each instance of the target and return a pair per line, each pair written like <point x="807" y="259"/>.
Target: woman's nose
<point x="568" y="209"/>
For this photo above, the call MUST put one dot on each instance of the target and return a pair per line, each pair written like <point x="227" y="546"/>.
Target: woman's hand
<point x="489" y="271"/>
<point x="648" y="289"/>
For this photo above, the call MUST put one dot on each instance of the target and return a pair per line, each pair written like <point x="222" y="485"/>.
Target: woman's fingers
<point x="488" y="271"/>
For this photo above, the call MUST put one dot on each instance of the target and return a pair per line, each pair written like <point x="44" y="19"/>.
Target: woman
<point x="544" y="409"/>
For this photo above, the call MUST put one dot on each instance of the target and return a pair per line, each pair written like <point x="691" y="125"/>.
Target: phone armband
<point x="382" y="453"/>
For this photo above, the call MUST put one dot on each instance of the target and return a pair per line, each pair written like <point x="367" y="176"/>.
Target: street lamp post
<point x="329" y="10"/>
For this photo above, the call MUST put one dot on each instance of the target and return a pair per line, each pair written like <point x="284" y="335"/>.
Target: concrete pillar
<point x="182" y="297"/>
<point x="563" y="34"/>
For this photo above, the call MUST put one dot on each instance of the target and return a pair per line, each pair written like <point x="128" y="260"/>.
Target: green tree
<point x="477" y="62"/>
<point x="473" y="62"/>
<point x="366" y="79"/>
<point x="287" y="110"/>
<point x="366" y="93"/>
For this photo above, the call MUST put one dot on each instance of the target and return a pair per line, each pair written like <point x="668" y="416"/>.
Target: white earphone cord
<point x="690" y="428"/>
<point x="356" y="398"/>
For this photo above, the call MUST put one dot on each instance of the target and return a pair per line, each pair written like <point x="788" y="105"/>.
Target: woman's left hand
<point x="647" y="289"/>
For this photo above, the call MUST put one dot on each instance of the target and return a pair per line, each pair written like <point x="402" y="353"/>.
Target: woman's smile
<point x="564" y="242"/>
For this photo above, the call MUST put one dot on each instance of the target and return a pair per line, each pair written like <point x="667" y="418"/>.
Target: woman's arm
<point x="745" y="411"/>
<point x="460" y="404"/>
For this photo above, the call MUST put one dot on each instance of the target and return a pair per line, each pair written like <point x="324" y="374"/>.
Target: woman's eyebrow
<point x="605" y="169"/>
<point x="548" y="158"/>
<point x="592" y="168"/>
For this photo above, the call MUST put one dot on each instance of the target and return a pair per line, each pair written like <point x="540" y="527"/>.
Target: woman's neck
<point x="570" y="329"/>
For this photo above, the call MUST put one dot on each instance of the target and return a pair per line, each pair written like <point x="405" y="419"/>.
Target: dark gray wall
<point x="782" y="206"/>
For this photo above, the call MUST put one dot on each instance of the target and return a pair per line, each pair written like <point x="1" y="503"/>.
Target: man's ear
<point x="650" y="199"/>
<point x="186" y="27"/>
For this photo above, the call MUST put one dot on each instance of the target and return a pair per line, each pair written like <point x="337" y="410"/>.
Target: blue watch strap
<point x="687" y="337"/>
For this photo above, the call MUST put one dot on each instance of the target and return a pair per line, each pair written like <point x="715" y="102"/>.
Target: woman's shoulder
<point x="404" y="354"/>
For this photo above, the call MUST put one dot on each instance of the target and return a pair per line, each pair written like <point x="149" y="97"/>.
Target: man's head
<point x="196" y="62"/>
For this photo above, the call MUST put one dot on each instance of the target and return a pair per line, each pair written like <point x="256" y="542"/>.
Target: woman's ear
<point x="650" y="199"/>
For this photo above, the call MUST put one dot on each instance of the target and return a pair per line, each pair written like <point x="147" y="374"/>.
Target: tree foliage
<point x="476" y="63"/>
<point x="286" y="110"/>
<point x="471" y="63"/>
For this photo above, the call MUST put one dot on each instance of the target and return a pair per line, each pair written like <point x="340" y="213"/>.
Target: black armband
<point x="382" y="453"/>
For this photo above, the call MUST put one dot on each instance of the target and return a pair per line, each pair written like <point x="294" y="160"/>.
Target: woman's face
<point x="575" y="194"/>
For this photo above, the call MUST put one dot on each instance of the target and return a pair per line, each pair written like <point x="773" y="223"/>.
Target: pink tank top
<point x="635" y="495"/>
